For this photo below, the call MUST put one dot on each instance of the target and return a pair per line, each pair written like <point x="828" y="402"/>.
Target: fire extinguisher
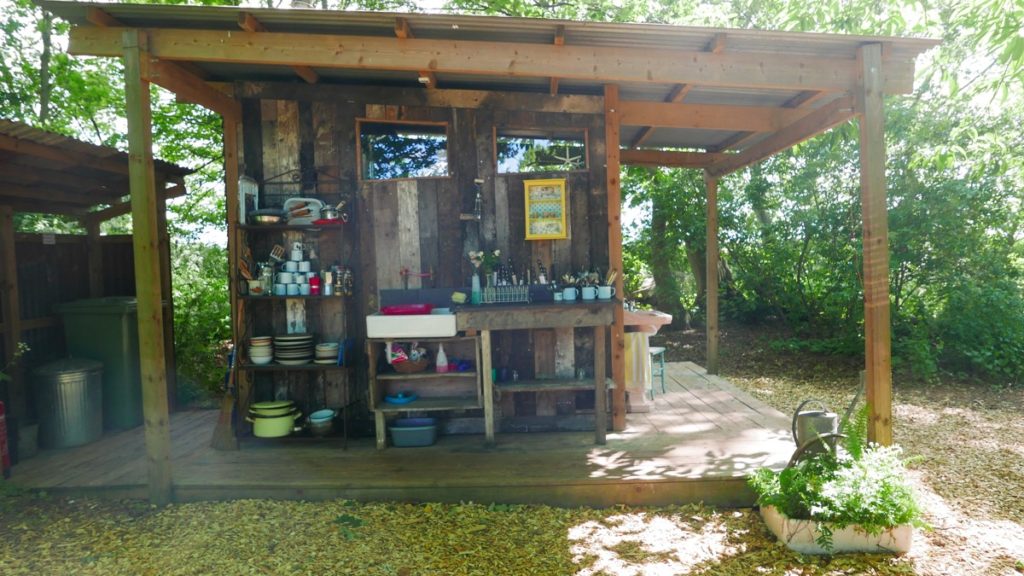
<point x="5" y="454"/>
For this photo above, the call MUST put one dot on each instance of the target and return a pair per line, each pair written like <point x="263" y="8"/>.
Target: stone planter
<point x="799" y="536"/>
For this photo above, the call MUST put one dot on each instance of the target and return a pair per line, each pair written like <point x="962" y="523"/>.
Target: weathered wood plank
<point x="408" y="225"/>
<point x="11" y="311"/>
<point x="614" y="201"/>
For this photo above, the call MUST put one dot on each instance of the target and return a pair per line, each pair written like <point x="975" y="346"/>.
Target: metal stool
<point x="657" y="367"/>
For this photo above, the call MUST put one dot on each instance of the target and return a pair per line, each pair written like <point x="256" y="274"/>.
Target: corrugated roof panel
<point x="684" y="138"/>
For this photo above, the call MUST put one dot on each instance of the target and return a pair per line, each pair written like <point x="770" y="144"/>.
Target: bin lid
<point x="109" y="305"/>
<point x="68" y="366"/>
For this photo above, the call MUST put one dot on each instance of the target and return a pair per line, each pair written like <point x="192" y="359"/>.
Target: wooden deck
<point x="699" y="442"/>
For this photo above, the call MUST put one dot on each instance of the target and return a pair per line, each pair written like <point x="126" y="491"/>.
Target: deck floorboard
<point x="699" y="442"/>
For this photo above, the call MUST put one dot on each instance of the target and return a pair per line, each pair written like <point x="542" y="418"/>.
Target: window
<point x="402" y="149"/>
<point x="541" y="150"/>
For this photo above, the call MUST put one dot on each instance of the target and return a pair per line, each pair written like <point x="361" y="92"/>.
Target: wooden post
<point x="11" y="309"/>
<point x="92" y="229"/>
<point x="711" y="274"/>
<point x="146" y="243"/>
<point x="877" y="335"/>
<point x="611" y="145"/>
<point x="231" y="174"/>
<point x="167" y="297"/>
<point x="484" y="351"/>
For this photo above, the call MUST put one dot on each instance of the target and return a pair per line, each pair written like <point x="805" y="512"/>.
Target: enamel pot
<point x="273" y="426"/>
<point x="273" y="408"/>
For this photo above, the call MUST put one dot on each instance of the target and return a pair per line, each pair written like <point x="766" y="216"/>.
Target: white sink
<point x="439" y="324"/>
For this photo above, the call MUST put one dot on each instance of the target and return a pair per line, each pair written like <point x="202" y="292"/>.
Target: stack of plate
<point x="293" y="349"/>
<point x="261" y="349"/>
<point x="326" y="353"/>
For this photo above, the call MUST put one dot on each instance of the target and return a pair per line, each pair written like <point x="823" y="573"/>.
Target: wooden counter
<point x="596" y="314"/>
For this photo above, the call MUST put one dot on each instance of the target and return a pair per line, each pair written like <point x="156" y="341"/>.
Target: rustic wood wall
<point x="415" y="223"/>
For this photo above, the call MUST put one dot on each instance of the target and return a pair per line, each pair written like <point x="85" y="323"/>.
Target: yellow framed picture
<point x="546" y="202"/>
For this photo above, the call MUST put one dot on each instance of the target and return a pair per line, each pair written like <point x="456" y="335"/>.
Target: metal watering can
<point x="810" y="424"/>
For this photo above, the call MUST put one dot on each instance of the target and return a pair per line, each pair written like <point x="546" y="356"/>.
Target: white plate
<point x="293" y="362"/>
<point x="330" y="361"/>
<point x="293" y="337"/>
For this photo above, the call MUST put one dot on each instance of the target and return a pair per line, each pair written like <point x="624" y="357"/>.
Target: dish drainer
<point x="505" y="294"/>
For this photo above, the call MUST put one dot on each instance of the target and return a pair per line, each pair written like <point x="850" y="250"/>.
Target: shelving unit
<point x="437" y="392"/>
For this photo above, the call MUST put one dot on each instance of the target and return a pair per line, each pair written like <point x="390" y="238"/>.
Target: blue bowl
<point x="401" y="398"/>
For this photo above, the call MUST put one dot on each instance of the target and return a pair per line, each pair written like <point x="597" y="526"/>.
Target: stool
<point x="657" y="367"/>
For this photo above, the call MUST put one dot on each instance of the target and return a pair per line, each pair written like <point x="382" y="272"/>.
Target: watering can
<point x="814" y="422"/>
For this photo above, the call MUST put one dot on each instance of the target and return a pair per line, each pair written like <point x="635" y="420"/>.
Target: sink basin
<point x="439" y="324"/>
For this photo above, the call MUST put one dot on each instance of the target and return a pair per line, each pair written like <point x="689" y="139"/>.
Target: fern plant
<point x="862" y="484"/>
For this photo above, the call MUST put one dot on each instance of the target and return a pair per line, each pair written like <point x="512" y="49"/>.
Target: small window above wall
<point x="540" y="150"/>
<point x="389" y="150"/>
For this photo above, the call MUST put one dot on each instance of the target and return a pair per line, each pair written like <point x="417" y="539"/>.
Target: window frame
<point x="359" y="147"/>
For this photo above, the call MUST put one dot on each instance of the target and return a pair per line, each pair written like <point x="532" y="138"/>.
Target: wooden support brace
<point x="558" y="41"/>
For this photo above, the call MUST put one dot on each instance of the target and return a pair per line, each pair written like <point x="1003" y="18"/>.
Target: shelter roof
<point x="715" y="70"/>
<point x="45" y="172"/>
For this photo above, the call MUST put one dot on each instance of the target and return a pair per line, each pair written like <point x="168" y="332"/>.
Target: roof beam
<point x="668" y="158"/>
<point x="404" y="32"/>
<point x="801" y="100"/>
<point x="558" y="41"/>
<point x="717" y="44"/>
<point x="706" y="116"/>
<point x="810" y="125"/>
<point x="677" y="94"/>
<point x="33" y="207"/>
<point x="592" y="63"/>
<point x="126" y="207"/>
<point x="102" y="18"/>
<point x="32" y="175"/>
<point x="44" y="195"/>
<point x="249" y="23"/>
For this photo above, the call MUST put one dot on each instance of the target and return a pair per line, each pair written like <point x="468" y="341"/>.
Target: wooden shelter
<point x="47" y="173"/>
<point x="296" y="88"/>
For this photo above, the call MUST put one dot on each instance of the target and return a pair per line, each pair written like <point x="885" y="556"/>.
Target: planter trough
<point x="800" y="535"/>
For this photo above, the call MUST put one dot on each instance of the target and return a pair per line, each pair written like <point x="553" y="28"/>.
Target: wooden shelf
<point x="282" y="368"/>
<point x="435" y="403"/>
<point x="288" y="227"/>
<point x="425" y="375"/>
<point x="549" y="384"/>
<point x="441" y="339"/>
<point x="299" y="297"/>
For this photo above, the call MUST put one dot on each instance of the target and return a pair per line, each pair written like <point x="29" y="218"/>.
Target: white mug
<point x="284" y="277"/>
<point x="299" y="278"/>
<point x="291" y="266"/>
<point x="589" y="292"/>
<point x="293" y="289"/>
<point x="296" y="255"/>
<point x="569" y="294"/>
<point x="304" y="289"/>
<point x="605" y="292"/>
<point x="280" y="289"/>
<point x="558" y="296"/>
<point x="304" y="266"/>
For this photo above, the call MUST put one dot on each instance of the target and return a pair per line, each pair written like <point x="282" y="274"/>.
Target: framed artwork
<point x="545" y="209"/>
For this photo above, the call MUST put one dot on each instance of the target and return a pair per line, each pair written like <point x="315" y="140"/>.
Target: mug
<point x="296" y="255"/>
<point x="589" y="292"/>
<point x="255" y="288"/>
<point x="304" y="289"/>
<point x="280" y="289"/>
<point x="299" y="278"/>
<point x="558" y="296"/>
<point x="605" y="292"/>
<point x="284" y="277"/>
<point x="569" y="294"/>
<point x="304" y="266"/>
<point x="293" y="289"/>
<point x="290" y="266"/>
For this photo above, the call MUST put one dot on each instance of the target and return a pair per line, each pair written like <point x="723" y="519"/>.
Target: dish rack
<point x="505" y="294"/>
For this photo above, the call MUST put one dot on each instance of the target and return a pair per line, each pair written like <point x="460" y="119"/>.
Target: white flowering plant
<point x="856" y="484"/>
<point x="20" y="351"/>
<point x="486" y="260"/>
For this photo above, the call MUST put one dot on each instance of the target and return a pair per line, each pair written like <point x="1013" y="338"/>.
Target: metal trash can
<point x="69" y="400"/>
<point x="106" y="329"/>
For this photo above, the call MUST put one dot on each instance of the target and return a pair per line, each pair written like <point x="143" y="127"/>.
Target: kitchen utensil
<point x="569" y="294"/>
<point x="272" y="426"/>
<point x="291" y="266"/>
<point x="272" y="408"/>
<point x="303" y="211"/>
<point x="277" y="253"/>
<point x="605" y="292"/>
<point x="304" y="266"/>
<point x="406" y="309"/>
<point x="296" y="255"/>
<point x="401" y="398"/>
<point x="285" y="278"/>
<point x="588" y="293"/>
<point x="266" y="216"/>
<point x="329" y="213"/>
<point x="292" y="289"/>
<point x="303" y="289"/>
<point x="280" y="289"/>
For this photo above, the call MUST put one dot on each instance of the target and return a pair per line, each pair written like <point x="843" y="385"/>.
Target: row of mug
<point x="293" y="266"/>
<point x="586" y="293"/>
<point x="292" y="290"/>
<point x="294" y="277"/>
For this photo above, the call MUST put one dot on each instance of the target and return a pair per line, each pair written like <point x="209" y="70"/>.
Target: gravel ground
<point x="969" y="472"/>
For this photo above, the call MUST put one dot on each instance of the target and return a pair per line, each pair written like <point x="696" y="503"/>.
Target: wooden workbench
<point x="596" y="314"/>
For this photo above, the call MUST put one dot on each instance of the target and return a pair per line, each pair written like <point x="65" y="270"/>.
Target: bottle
<point x="442" y="360"/>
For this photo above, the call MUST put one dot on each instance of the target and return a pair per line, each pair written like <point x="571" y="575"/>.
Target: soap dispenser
<point x="442" y="360"/>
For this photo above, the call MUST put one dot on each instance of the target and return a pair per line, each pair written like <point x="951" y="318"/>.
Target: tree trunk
<point x="45" y="85"/>
<point x="696" y="259"/>
<point x="667" y="295"/>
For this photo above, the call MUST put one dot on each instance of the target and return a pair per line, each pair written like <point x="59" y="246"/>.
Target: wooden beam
<point x="101" y="18"/>
<point x="717" y="44"/>
<point x="148" y="274"/>
<point x="62" y="157"/>
<point x="25" y="174"/>
<point x="558" y="41"/>
<point x="402" y="29"/>
<point x="11" y="311"/>
<point x="95" y="258"/>
<point x="427" y="79"/>
<point x="249" y="23"/>
<point x="126" y="207"/>
<point x="711" y="274"/>
<point x="677" y="94"/>
<point x="810" y="125"/>
<point x="618" y="343"/>
<point x="801" y="100"/>
<point x="877" y="328"/>
<point x="192" y="88"/>
<point x="707" y="116"/>
<point x="668" y="159"/>
<point x="509" y="59"/>
<point x="44" y="194"/>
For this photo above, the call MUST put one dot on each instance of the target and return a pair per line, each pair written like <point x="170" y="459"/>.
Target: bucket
<point x="810" y="424"/>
